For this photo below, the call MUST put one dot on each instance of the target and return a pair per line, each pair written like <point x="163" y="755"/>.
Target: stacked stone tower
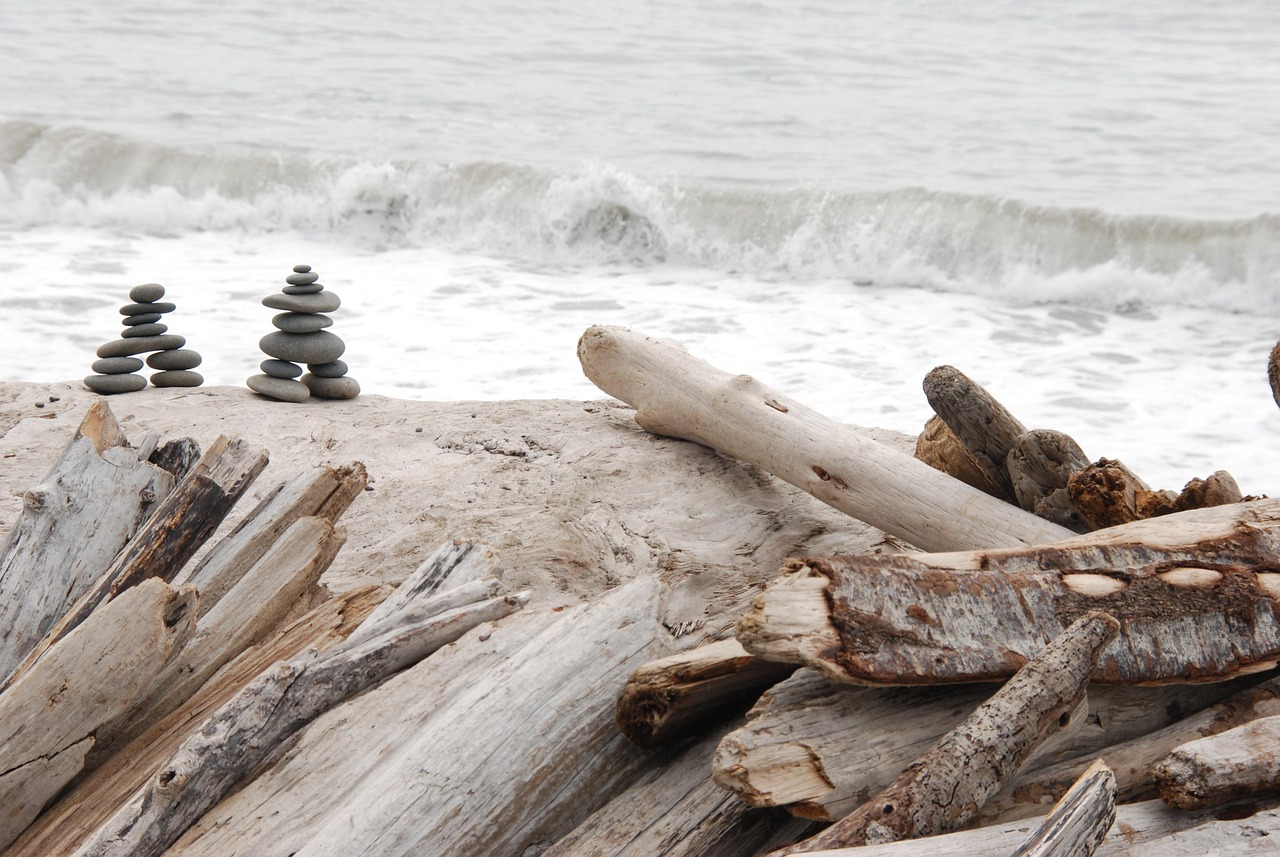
<point x="117" y="366"/>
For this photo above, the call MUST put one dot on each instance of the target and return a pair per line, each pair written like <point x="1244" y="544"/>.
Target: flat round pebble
<point x="303" y="290"/>
<point x="279" y="388"/>
<point x="140" y="308"/>
<point x="334" y="369"/>
<point x="302" y="278"/>
<point x="144" y="330"/>
<point x="280" y="368"/>
<point x="177" y="378"/>
<point x="318" y="302"/>
<point x="174" y="359"/>
<point x="142" y="318"/>
<point x="110" y="384"/>
<point x="319" y="347"/>
<point x="116" y="365"/>
<point x="301" y="269"/>
<point x="146" y="293"/>
<point x="142" y="344"/>
<point x="345" y="387"/>
<point x="301" y="322"/>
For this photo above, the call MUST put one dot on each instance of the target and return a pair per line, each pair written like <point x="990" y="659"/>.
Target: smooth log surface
<point x="1078" y="824"/>
<point x="73" y="523"/>
<point x="1238" y="763"/>
<point x="678" y="395"/>
<point x="946" y="787"/>
<point x="986" y="428"/>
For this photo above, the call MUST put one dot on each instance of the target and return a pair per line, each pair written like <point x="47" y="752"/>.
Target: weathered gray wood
<point x="1079" y="822"/>
<point x="180" y="524"/>
<point x="73" y="523"/>
<point x="677" y="395"/>
<point x="1238" y="763"/>
<point x="673" y="697"/>
<point x="983" y="425"/>
<point x="236" y="739"/>
<point x="91" y="676"/>
<point x="947" y="786"/>
<point x="1040" y="465"/>
<point x="1191" y="612"/>
<point x="938" y="447"/>
<point x="455" y="563"/>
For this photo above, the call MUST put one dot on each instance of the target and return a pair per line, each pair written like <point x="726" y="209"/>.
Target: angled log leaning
<point x="1076" y="826"/>
<point x="985" y="427"/>
<point x="272" y="707"/>
<point x="1190" y="612"/>
<point x="84" y="807"/>
<point x="674" y="696"/>
<point x="1238" y="763"/>
<point x="947" y="786"/>
<point x="91" y="676"/>
<point x="180" y="524"/>
<point x="938" y="447"/>
<point x="678" y="395"/>
<point x="1040" y="465"/>
<point x="94" y="498"/>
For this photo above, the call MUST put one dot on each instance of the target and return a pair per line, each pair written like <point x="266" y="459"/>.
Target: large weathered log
<point x="1191" y="612"/>
<point x="678" y="395"/>
<point x="983" y="425"/>
<point x="83" y="808"/>
<point x="73" y="523"/>
<point x="1238" y="763"/>
<point x="1040" y="466"/>
<point x="91" y="676"/>
<point x="671" y="697"/>
<point x="1079" y="822"/>
<point x="947" y="786"/>
<point x="179" y="525"/>
<point x="241" y="734"/>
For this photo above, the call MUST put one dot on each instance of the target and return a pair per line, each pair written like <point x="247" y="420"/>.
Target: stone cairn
<point x="142" y="333"/>
<point x="300" y="337"/>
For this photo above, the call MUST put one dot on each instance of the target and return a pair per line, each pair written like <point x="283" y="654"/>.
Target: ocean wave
<point x="599" y="214"/>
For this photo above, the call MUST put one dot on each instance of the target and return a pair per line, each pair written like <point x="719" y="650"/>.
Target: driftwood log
<point x="1040" y="465"/>
<point x="678" y="395"/>
<point x="1217" y="769"/>
<point x="947" y="786"/>
<point x="984" y="426"/>
<point x="938" y="447"/>
<point x="1078" y="824"/>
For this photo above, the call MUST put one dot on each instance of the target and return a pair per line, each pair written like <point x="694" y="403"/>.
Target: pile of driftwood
<point x="1045" y="572"/>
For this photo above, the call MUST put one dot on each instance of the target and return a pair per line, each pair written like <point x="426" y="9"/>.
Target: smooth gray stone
<point x="301" y="322"/>
<point x="140" y="308"/>
<point x="345" y="387"/>
<point x="279" y="388"/>
<point x="146" y="293"/>
<point x="334" y="369"/>
<point x="116" y="365"/>
<point x="177" y="378"/>
<point x="302" y="278"/>
<point x="318" y="302"/>
<point x="144" y="330"/>
<point x="110" y="384"/>
<point x="142" y="344"/>
<point x="301" y="269"/>
<point x="319" y="347"/>
<point x="303" y="290"/>
<point x="143" y="318"/>
<point x="174" y="360"/>
<point x="280" y="368"/>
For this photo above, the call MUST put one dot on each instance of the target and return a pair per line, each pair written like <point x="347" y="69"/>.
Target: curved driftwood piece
<point x="244" y="731"/>
<point x="1191" y="611"/>
<point x="48" y="716"/>
<point x="947" y="786"/>
<point x="73" y="523"/>
<point x="983" y="425"/>
<point x="1040" y="465"/>
<point x="1079" y="822"/>
<point x="1238" y="763"/>
<point x="178" y="526"/>
<point x="678" y="395"/>
<point x="938" y="447"/>
<point x="672" y="697"/>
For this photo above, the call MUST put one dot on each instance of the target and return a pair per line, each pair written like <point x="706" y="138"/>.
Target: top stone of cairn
<point x="146" y="293"/>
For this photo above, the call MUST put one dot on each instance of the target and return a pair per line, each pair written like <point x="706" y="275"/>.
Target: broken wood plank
<point x="91" y="676"/>
<point x="1191" y="612"/>
<point x="985" y="427"/>
<point x="677" y="395"/>
<point x="947" y="786"/>
<point x="179" y="525"/>
<point x="88" y="506"/>
<point x="1239" y="763"/>
<point x="673" y="697"/>
<point x="1079" y="822"/>
<point x="1040" y="465"/>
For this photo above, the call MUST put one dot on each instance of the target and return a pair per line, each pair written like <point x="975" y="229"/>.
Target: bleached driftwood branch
<point x="678" y="395"/>
<point x="1076" y="826"/>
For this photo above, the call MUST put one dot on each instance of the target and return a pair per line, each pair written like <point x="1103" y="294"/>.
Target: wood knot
<point x="35" y="500"/>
